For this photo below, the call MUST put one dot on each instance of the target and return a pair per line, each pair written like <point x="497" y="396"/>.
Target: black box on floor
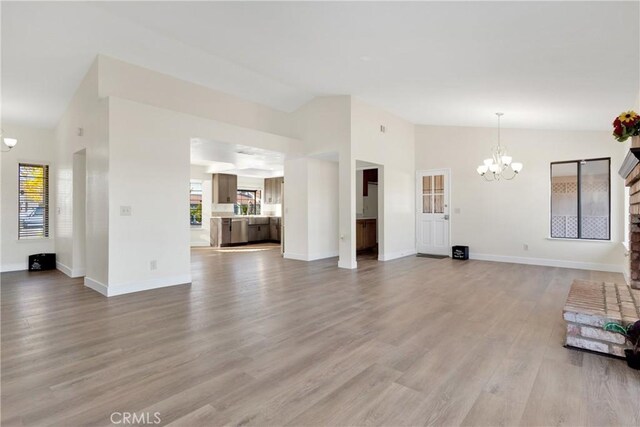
<point x="39" y="262"/>
<point x="460" y="252"/>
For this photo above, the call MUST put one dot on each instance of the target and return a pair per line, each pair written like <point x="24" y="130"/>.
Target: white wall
<point x="323" y="211"/>
<point x="154" y="182"/>
<point x="495" y="219"/>
<point x="311" y="209"/>
<point x="324" y="124"/>
<point x="79" y="190"/>
<point x="250" y="183"/>
<point x="394" y="152"/>
<point x="128" y="81"/>
<point x="34" y="146"/>
<point x="296" y="212"/>
<point x="89" y="113"/>
<point x="138" y="156"/>
<point x="201" y="236"/>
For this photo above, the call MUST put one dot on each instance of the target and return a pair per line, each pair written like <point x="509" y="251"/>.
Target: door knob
<point x="446" y="217"/>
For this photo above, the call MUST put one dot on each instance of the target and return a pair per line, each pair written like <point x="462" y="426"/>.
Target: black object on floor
<point x="432" y="256"/>
<point x="39" y="262"/>
<point x="460" y="252"/>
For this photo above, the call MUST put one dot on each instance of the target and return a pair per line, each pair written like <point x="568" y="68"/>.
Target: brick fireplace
<point x="590" y="305"/>
<point x="630" y="171"/>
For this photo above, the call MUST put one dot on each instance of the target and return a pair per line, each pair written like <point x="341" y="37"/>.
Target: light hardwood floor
<point x="258" y="340"/>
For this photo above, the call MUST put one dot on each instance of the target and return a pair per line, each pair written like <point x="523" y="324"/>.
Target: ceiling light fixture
<point x="499" y="163"/>
<point x="9" y="143"/>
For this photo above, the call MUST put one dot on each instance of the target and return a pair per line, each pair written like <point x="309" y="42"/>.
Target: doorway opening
<point x="237" y="197"/>
<point x="432" y="212"/>
<point x="369" y="210"/>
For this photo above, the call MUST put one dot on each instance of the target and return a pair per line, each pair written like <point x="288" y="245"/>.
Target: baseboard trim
<point x="65" y="269"/>
<point x="395" y="255"/>
<point x="546" y="262"/>
<point x="200" y="244"/>
<point x="323" y="255"/>
<point x="146" y="285"/>
<point x="349" y="266"/>
<point x="69" y="271"/>
<point x="96" y="286"/>
<point x="294" y="256"/>
<point x="310" y="257"/>
<point x="18" y="266"/>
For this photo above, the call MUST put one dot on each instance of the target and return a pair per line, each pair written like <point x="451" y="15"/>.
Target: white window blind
<point x="33" y="201"/>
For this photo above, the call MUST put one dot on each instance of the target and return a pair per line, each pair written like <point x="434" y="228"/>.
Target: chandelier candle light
<point x="500" y="165"/>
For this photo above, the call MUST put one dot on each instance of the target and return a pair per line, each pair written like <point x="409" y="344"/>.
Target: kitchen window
<point x="581" y="199"/>
<point x="33" y="201"/>
<point x="195" y="206"/>
<point x="248" y="202"/>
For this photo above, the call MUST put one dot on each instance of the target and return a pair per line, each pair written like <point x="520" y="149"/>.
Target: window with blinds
<point x="33" y="201"/>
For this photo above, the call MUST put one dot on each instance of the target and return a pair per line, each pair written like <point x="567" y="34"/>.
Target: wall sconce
<point x="8" y="143"/>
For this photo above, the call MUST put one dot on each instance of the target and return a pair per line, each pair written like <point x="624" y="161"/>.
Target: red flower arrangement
<point x="626" y="125"/>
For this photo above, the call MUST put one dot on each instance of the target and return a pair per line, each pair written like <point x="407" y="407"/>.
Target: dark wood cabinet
<point x="273" y="190"/>
<point x="274" y="229"/>
<point x="366" y="234"/>
<point x="259" y="233"/>
<point x="225" y="188"/>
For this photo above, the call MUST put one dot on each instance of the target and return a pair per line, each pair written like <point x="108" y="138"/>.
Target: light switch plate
<point x="125" y="210"/>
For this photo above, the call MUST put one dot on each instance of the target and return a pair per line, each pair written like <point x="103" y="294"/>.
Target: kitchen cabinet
<point x="231" y="231"/>
<point x="274" y="229"/>
<point x="225" y="188"/>
<point x="220" y="232"/>
<point x="259" y="233"/>
<point x="273" y="190"/>
<point x="366" y="234"/>
<point x="264" y="232"/>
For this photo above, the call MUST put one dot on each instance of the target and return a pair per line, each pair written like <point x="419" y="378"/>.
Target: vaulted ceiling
<point x="553" y="65"/>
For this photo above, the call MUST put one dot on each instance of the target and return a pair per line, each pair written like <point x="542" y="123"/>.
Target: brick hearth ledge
<point x="590" y="305"/>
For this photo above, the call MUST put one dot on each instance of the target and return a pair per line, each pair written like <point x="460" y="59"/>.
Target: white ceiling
<point x="555" y="65"/>
<point x="236" y="159"/>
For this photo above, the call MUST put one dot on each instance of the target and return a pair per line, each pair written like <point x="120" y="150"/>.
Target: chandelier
<point x="499" y="165"/>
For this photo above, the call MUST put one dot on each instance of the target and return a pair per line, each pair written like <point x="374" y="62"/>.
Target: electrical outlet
<point x="125" y="210"/>
<point x="153" y="265"/>
<point x="525" y="247"/>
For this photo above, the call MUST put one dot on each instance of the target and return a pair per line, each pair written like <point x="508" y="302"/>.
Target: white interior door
<point x="432" y="216"/>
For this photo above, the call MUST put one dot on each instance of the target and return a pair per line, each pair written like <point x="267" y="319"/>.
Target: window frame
<point x="46" y="220"/>
<point x="579" y="198"/>
<point x="236" y="208"/>
<point x="194" y="181"/>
